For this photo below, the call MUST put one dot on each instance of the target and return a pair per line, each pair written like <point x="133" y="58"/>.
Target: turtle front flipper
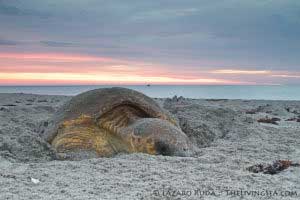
<point x="81" y="138"/>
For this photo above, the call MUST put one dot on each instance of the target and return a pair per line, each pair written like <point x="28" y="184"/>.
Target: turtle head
<point x="160" y="137"/>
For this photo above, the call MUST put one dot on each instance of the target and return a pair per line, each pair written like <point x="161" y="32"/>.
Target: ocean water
<point x="280" y="92"/>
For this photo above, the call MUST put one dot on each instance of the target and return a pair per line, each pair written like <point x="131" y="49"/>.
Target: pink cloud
<point x="50" y="68"/>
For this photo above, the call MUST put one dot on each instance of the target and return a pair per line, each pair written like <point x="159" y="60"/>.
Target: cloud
<point x="194" y="35"/>
<point x="61" y="68"/>
<point x="57" y="44"/>
<point x="5" y="42"/>
<point x="9" y="10"/>
<point x="17" y="8"/>
<point x="232" y="71"/>
<point x="286" y="76"/>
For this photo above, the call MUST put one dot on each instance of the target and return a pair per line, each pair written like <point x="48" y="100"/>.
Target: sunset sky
<point x="232" y="42"/>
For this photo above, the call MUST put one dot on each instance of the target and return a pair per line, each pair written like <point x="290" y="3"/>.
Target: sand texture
<point x="227" y="132"/>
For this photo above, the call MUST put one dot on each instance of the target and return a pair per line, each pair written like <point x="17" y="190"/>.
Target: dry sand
<point x="230" y="141"/>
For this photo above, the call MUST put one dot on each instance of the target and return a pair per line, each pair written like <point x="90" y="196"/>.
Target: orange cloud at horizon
<point x="53" y="69"/>
<point x="50" y="68"/>
<point x="286" y="76"/>
<point x="234" y="71"/>
<point x="87" y="78"/>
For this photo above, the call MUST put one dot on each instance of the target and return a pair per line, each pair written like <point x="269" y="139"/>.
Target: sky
<point x="211" y="42"/>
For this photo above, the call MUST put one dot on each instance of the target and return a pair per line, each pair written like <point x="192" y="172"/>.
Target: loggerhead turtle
<point x="104" y="122"/>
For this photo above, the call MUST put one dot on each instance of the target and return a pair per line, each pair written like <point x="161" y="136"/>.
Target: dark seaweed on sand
<point x="274" y="168"/>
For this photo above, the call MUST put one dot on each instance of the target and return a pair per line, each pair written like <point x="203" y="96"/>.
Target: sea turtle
<point x="107" y="121"/>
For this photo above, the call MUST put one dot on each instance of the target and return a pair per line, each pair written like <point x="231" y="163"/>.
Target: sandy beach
<point x="227" y="132"/>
